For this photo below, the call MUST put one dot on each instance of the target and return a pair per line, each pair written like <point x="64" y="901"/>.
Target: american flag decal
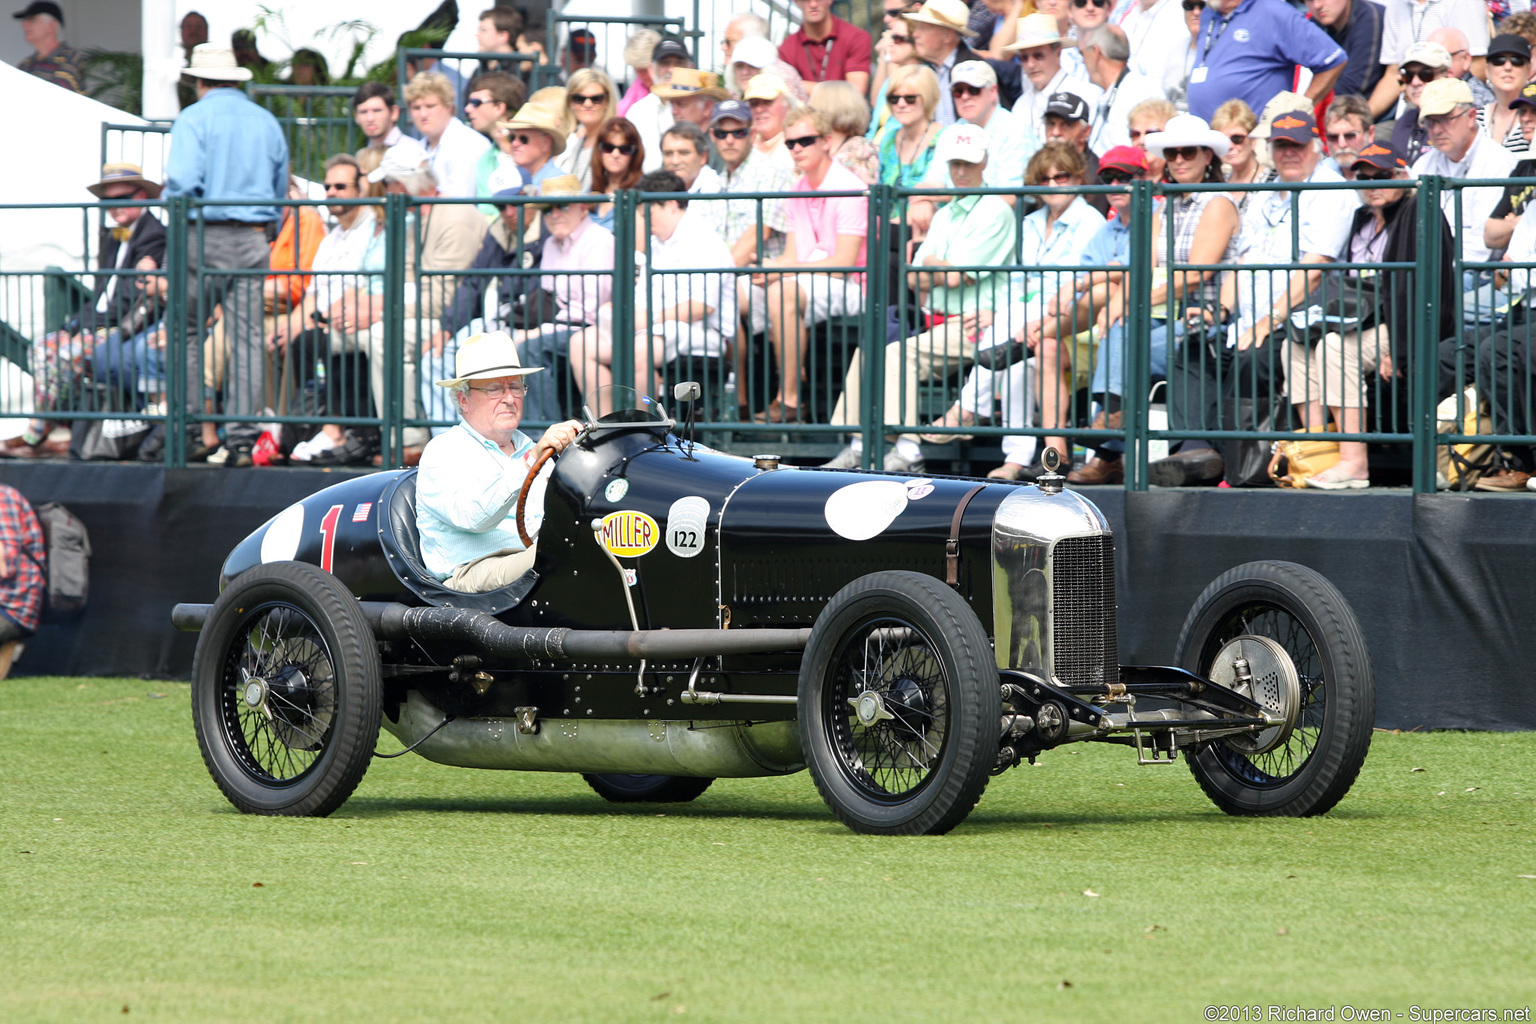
<point x="360" y="514"/>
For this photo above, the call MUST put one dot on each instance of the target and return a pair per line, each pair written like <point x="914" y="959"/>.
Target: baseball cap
<point x="1527" y="96"/>
<point x="42" y="7"/>
<point x="964" y="142"/>
<point x="1065" y="104"/>
<point x="1126" y="158"/>
<point x="765" y="87"/>
<point x="1295" y="127"/>
<point x="1509" y="43"/>
<point x="731" y="110"/>
<point x="405" y="157"/>
<point x="976" y="73"/>
<point x="1431" y="55"/>
<point x="670" y="48"/>
<point x="583" y="43"/>
<point x="1384" y="158"/>
<point x="1444" y="95"/>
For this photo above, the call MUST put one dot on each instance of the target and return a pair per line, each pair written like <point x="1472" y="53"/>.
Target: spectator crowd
<point x="754" y="243"/>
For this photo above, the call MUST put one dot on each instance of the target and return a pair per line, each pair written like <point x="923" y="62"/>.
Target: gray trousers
<point x="219" y="248"/>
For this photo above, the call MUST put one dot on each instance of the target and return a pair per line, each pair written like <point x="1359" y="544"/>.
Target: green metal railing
<point x="27" y="315"/>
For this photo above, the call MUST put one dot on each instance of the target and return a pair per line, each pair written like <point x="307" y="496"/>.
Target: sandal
<point x="1007" y="471"/>
<point x="777" y="412"/>
<point x="966" y="418"/>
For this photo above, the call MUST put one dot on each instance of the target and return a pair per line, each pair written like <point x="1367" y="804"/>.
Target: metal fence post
<point x="395" y="354"/>
<point x="176" y="340"/>
<point x="872" y="337"/>
<point x="1425" y="347"/>
<point x="1138" y="338"/>
<point x="625" y="289"/>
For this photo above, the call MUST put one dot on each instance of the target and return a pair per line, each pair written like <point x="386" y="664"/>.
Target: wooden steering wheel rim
<point x="522" y="496"/>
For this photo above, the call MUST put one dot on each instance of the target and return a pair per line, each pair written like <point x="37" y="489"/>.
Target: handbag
<point x="1339" y="304"/>
<point x="1293" y="463"/>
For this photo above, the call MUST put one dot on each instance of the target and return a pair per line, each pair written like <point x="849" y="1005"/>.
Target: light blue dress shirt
<point x="466" y="498"/>
<point x="226" y="147"/>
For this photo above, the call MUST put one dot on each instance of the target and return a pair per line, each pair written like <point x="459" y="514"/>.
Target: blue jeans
<point x="543" y="403"/>
<point x="133" y="364"/>
<point x="1109" y="370"/>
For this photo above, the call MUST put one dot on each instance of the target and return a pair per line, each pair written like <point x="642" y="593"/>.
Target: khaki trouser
<point x="1333" y="371"/>
<point x="492" y="572"/>
<point x="935" y="353"/>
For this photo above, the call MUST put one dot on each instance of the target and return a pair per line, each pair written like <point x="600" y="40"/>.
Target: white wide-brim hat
<point x="1187" y="130"/>
<point x="215" y="63"/>
<point x="487" y="357"/>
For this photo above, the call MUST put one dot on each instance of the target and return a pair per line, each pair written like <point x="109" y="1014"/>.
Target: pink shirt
<point x="636" y="92"/>
<point x="816" y="223"/>
<point x="590" y="247"/>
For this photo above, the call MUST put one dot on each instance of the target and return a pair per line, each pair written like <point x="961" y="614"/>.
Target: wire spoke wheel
<point x="1308" y="769"/>
<point x="286" y="691"/>
<point x="899" y="705"/>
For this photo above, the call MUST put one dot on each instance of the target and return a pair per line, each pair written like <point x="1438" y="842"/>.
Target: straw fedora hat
<point x="951" y="14"/>
<point x="1038" y="30"/>
<point x="486" y="357"/>
<point x="682" y="83"/>
<point x="560" y="185"/>
<point x="545" y="111"/>
<point x="216" y="64"/>
<point x="123" y="174"/>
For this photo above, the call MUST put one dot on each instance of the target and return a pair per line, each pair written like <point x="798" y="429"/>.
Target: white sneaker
<point x="1530" y="484"/>
<point x="895" y="462"/>
<point x="845" y="459"/>
<point x="219" y="457"/>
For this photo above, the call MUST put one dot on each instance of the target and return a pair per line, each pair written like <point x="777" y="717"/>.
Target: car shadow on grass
<point x="595" y="806"/>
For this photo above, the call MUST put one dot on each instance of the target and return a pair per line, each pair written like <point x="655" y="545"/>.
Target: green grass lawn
<point x="1084" y="888"/>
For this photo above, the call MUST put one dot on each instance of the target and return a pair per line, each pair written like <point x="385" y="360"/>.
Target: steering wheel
<point x="522" y="496"/>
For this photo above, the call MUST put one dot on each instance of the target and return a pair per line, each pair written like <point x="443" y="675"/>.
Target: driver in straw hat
<point x="471" y="476"/>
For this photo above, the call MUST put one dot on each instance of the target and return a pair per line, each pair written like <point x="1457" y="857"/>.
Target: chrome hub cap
<point x="869" y="706"/>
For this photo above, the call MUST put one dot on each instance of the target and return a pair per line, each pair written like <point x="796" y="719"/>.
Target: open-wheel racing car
<point x="693" y="615"/>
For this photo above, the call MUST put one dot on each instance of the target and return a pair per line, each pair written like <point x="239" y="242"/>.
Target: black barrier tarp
<point x="1444" y="585"/>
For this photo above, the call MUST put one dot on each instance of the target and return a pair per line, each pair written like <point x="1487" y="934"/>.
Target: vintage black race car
<point x="693" y="615"/>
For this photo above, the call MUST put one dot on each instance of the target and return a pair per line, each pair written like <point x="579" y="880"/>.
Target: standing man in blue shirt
<point x="1249" y="50"/>
<point x="224" y="148"/>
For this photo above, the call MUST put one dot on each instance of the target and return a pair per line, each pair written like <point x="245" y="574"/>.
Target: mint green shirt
<point x="970" y="231"/>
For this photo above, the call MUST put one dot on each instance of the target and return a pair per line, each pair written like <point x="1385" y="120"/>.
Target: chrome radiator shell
<point x="1053" y="571"/>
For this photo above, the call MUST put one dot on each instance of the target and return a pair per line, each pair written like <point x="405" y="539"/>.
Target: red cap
<point x="1130" y="158"/>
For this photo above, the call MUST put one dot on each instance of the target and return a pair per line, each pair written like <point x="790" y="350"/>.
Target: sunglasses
<point x="1513" y="60"/>
<point x="804" y="140"/>
<point x="626" y="148"/>
<point x="588" y="101"/>
<point x="523" y="139"/>
<point x="1425" y="75"/>
<point x="1237" y="140"/>
<point x="1181" y="152"/>
<point x="330" y="186"/>
<point x="1194" y="5"/>
<point x="905" y="99"/>
<point x="964" y="89"/>
<point x="475" y="102"/>
<point x="1340" y="138"/>
<point x="903" y="40"/>
<point x="730" y="133"/>
<point x="1375" y="174"/>
<point x="1057" y="179"/>
<point x="515" y="388"/>
<point x="1117" y="177"/>
<point x="1080" y="4"/>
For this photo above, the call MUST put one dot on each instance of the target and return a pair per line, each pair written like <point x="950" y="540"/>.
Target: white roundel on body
<point x="281" y="541"/>
<point x="686" y="520"/>
<point x="864" y="510"/>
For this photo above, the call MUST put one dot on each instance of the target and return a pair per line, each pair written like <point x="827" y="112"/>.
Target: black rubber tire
<point x="646" y="789"/>
<point x="940" y="675"/>
<point x="287" y="621"/>
<point x="1316" y="765"/>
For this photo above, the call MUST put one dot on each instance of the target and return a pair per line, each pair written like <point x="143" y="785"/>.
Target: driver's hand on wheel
<point x="558" y="437"/>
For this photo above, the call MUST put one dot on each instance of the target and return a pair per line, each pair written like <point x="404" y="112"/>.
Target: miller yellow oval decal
<point x="629" y="534"/>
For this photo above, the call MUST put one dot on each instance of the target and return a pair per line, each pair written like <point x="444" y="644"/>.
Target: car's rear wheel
<point x="899" y="705"/>
<point x="1312" y="665"/>
<point x="286" y="691"/>
<point x="646" y="789"/>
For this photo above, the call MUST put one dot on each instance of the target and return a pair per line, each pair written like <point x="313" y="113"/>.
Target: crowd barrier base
<point x="1439" y="582"/>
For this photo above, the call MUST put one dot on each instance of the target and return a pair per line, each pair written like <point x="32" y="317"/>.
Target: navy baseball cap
<point x="731" y="110"/>
<point x="1068" y="105"/>
<point x="670" y="48"/>
<point x="42" y="7"/>
<point x="1383" y="158"/>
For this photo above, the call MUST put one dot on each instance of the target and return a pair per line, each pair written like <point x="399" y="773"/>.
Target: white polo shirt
<point x="1484" y="159"/>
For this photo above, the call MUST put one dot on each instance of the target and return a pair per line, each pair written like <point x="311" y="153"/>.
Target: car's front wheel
<point x="899" y="705"/>
<point x="286" y="691"/>
<point x="1304" y="657"/>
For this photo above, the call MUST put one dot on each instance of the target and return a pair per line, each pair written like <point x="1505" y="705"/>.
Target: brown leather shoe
<point x="1502" y="480"/>
<point x="1110" y="422"/>
<point x="1099" y="471"/>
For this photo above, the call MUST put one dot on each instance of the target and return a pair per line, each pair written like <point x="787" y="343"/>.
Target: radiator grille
<point x="1083" y="645"/>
